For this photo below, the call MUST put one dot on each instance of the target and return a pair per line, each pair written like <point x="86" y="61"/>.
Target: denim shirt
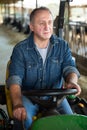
<point x="27" y="69"/>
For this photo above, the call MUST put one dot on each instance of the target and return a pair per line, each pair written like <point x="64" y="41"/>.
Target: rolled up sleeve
<point x="13" y="80"/>
<point x="70" y="69"/>
<point x="16" y="67"/>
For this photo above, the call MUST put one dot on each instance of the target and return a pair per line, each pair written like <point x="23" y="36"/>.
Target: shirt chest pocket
<point x="55" y="67"/>
<point x="31" y="72"/>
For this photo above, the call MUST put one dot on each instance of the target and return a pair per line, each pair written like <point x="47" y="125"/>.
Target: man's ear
<point x="31" y="27"/>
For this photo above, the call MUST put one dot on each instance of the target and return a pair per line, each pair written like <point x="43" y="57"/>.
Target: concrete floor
<point x="8" y="38"/>
<point x="5" y="51"/>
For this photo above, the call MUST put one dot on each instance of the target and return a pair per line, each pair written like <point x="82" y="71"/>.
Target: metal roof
<point x="8" y="1"/>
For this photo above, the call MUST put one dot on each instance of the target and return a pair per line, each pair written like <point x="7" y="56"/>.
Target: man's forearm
<point x="16" y="97"/>
<point x="72" y="77"/>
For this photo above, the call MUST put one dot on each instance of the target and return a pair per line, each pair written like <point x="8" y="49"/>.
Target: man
<point x="41" y="61"/>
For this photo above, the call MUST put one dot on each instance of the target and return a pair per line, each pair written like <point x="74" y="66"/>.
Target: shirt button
<point x="40" y="69"/>
<point x="40" y="80"/>
<point x="29" y="66"/>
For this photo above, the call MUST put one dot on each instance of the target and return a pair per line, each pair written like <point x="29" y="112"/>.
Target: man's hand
<point x="19" y="113"/>
<point x="72" y="82"/>
<point x="73" y="85"/>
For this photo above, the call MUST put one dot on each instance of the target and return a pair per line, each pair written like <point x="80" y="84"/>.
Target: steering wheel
<point x="50" y="92"/>
<point x="56" y="95"/>
<point x="55" y="98"/>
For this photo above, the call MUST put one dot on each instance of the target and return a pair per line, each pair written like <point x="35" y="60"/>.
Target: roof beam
<point x="8" y="1"/>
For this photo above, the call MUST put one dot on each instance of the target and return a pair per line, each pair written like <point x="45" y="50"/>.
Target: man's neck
<point x="41" y="43"/>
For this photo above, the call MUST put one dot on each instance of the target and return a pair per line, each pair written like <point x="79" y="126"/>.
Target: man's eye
<point x="41" y="23"/>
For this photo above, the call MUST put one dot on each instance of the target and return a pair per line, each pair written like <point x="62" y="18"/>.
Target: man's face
<point x="42" y="26"/>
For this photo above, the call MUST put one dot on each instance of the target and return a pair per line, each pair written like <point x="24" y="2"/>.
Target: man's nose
<point x="47" y="26"/>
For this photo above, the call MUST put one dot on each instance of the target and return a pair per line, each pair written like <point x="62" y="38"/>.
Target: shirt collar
<point x="31" y="44"/>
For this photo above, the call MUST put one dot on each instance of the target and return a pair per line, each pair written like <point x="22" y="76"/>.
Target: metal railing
<point x="76" y="35"/>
